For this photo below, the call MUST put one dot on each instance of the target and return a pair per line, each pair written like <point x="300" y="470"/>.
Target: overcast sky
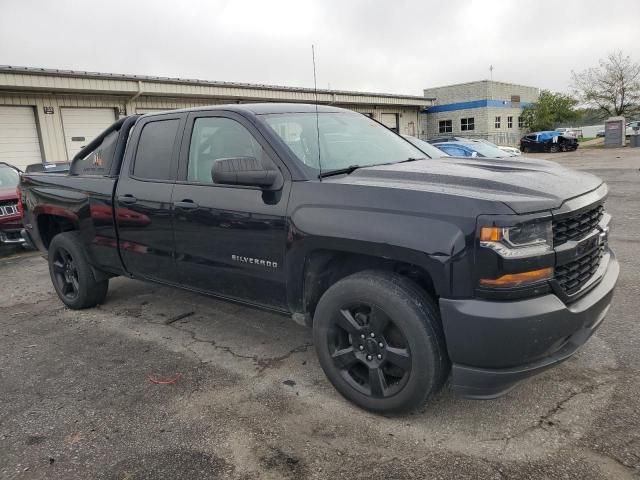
<point x="396" y="46"/>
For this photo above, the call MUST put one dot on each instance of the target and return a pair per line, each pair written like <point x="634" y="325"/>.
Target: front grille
<point x="573" y="275"/>
<point x="576" y="226"/>
<point x="8" y="209"/>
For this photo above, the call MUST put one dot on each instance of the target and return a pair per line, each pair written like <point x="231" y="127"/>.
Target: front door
<point x="143" y="199"/>
<point x="230" y="240"/>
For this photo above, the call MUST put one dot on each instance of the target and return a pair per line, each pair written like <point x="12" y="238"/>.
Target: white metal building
<point x="483" y="109"/>
<point x="49" y="115"/>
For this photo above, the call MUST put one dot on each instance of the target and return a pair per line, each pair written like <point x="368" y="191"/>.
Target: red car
<point x="10" y="212"/>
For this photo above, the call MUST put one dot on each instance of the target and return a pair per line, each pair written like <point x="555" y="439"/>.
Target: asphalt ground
<point x="244" y="396"/>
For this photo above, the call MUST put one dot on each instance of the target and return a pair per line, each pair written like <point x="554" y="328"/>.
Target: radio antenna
<point x="315" y="92"/>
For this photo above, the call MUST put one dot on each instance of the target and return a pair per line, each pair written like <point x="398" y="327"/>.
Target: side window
<point x="214" y="138"/>
<point x="99" y="161"/>
<point x="155" y="149"/>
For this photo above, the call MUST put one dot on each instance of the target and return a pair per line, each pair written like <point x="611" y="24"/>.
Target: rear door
<point x="143" y="198"/>
<point x="230" y="240"/>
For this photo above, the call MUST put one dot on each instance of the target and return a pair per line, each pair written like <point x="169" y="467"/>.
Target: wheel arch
<point x="51" y="223"/>
<point x="324" y="267"/>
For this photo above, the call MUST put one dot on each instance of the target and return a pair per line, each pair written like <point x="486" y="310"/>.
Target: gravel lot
<point x="249" y="399"/>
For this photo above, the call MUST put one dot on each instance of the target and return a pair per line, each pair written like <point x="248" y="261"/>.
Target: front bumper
<point x="493" y="344"/>
<point x="11" y="235"/>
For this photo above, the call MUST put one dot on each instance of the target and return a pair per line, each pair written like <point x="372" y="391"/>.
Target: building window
<point x="467" y="124"/>
<point x="509" y="122"/>
<point x="520" y="122"/>
<point x="445" y="126"/>
<point x="497" y="122"/>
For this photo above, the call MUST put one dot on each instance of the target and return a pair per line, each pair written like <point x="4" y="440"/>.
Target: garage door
<point x="150" y="110"/>
<point x="19" y="142"/>
<point x="390" y="120"/>
<point x="81" y="125"/>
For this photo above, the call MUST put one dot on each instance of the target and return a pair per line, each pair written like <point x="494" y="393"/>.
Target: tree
<point x="613" y="87"/>
<point x="549" y="110"/>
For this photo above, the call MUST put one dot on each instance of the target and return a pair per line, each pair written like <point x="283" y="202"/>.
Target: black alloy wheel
<point x="76" y="282"/>
<point x="369" y="350"/>
<point x="65" y="274"/>
<point x="380" y="342"/>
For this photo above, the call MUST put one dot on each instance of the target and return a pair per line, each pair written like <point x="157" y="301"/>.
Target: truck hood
<point x="524" y="184"/>
<point x="8" y="193"/>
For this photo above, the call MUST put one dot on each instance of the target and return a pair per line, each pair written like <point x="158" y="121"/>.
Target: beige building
<point x="483" y="109"/>
<point x="49" y="115"/>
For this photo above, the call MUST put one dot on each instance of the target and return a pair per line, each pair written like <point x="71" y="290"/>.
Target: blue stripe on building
<point x="451" y="107"/>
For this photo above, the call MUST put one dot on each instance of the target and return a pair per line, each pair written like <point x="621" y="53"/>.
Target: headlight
<point x="526" y="239"/>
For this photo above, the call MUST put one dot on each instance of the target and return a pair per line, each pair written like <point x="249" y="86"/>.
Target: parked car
<point x="600" y="133"/>
<point x="570" y="132"/>
<point x="446" y="138"/>
<point x="426" y="147"/>
<point x="472" y="148"/>
<point x="408" y="269"/>
<point x="512" y="150"/>
<point x="549" y="141"/>
<point x="10" y="215"/>
<point x="632" y="128"/>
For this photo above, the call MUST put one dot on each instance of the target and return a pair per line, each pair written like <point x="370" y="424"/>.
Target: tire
<point x="71" y="274"/>
<point x="554" y="149"/>
<point x="403" y="360"/>
<point x="526" y="150"/>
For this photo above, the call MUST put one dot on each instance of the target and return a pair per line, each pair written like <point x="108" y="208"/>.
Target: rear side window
<point x="99" y="161"/>
<point x="155" y="150"/>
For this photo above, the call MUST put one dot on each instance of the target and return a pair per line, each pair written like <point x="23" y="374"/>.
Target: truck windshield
<point x="8" y="177"/>
<point x="345" y="140"/>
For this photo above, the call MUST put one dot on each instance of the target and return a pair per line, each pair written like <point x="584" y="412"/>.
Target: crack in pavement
<point x="544" y="420"/>
<point x="262" y="363"/>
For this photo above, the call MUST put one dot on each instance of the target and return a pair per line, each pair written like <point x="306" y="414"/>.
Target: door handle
<point x="127" y="199"/>
<point x="186" y="204"/>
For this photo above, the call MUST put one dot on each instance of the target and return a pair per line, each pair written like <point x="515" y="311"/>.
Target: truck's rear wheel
<point x="379" y="341"/>
<point x="71" y="274"/>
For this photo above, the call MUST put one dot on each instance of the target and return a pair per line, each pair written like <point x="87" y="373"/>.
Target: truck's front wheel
<point x="71" y="274"/>
<point x="379" y="341"/>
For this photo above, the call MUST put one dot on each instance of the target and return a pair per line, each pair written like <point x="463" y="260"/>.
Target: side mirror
<point x="247" y="171"/>
<point x="474" y="154"/>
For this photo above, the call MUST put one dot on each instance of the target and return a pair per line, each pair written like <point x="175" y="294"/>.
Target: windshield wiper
<point x="411" y="159"/>
<point x="339" y="171"/>
<point x="352" y="168"/>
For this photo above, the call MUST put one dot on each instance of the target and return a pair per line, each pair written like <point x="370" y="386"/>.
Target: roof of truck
<point x="264" y="108"/>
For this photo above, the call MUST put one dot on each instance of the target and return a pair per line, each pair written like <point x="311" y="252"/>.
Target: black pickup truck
<point x="409" y="269"/>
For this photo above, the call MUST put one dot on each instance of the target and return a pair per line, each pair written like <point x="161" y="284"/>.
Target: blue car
<point x="471" y="148"/>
